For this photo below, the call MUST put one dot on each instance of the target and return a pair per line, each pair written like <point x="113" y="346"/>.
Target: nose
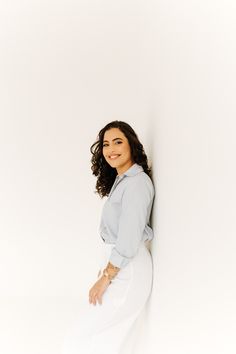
<point x="112" y="152"/>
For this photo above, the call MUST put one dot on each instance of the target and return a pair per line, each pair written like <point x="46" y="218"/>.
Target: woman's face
<point x="116" y="150"/>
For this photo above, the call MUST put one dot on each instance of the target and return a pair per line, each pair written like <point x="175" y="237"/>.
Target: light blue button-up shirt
<point x="126" y="213"/>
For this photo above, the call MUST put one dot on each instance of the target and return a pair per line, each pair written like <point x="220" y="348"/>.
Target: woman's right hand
<point x="98" y="289"/>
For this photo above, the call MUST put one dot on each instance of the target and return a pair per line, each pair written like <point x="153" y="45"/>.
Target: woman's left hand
<point x="97" y="291"/>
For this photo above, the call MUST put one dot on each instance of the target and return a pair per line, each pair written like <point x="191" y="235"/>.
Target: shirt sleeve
<point x="135" y="206"/>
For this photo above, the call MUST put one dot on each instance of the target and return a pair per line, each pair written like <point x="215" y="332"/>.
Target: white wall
<point x="193" y="308"/>
<point x="67" y="69"/>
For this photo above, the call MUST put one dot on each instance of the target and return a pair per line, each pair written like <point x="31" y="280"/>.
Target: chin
<point x="113" y="164"/>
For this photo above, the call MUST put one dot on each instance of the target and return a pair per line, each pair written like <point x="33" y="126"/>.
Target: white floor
<point x="35" y="325"/>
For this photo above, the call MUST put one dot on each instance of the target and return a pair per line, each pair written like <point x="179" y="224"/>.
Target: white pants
<point x="102" y="329"/>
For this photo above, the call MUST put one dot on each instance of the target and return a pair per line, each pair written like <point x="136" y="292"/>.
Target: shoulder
<point x="141" y="183"/>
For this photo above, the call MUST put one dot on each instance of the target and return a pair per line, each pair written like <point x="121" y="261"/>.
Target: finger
<point x="90" y="296"/>
<point x="100" y="300"/>
<point x="94" y="299"/>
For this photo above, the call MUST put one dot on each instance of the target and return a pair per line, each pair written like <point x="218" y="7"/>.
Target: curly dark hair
<point x="105" y="173"/>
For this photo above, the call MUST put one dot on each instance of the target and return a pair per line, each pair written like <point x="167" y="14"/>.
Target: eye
<point x="117" y="142"/>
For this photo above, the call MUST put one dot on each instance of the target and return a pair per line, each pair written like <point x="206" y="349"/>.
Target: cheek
<point x="127" y="150"/>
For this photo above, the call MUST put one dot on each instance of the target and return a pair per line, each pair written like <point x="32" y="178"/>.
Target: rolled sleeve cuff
<point x="118" y="260"/>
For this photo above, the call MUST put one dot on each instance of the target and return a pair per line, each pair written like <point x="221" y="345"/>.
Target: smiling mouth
<point x="114" y="157"/>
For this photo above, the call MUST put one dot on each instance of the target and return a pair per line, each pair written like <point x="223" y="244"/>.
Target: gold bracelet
<point x="112" y="267"/>
<point x="110" y="271"/>
<point x="106" y="274"/>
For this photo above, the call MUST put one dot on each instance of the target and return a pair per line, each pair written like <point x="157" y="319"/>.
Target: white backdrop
<point x="67" y="69"/>
<point x="193" y="308"/>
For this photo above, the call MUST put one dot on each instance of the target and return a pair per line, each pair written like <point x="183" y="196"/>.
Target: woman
<point x="125" y="277"/>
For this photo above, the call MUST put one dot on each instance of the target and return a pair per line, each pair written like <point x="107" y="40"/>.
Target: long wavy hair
<point x="106" y="174"/>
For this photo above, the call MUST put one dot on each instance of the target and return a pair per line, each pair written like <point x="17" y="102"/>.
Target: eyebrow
<point x="112" y="140"/>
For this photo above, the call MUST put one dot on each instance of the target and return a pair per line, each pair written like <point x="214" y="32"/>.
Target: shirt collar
<point x="132" y="171"/>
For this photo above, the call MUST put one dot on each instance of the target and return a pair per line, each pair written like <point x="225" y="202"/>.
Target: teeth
<point x="114" y="156"/>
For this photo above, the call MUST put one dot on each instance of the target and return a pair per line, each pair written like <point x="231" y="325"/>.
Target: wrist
<point x="110" y="273"/>
<point x="106" y="278"/>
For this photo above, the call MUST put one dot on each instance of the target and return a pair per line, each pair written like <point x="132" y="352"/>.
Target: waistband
<point x="143" y="243"/>
<point x="107" y="249"/>
<point x="109" y="246"/>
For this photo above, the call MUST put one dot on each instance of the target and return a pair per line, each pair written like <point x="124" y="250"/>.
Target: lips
<point x="113" y="157"/>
